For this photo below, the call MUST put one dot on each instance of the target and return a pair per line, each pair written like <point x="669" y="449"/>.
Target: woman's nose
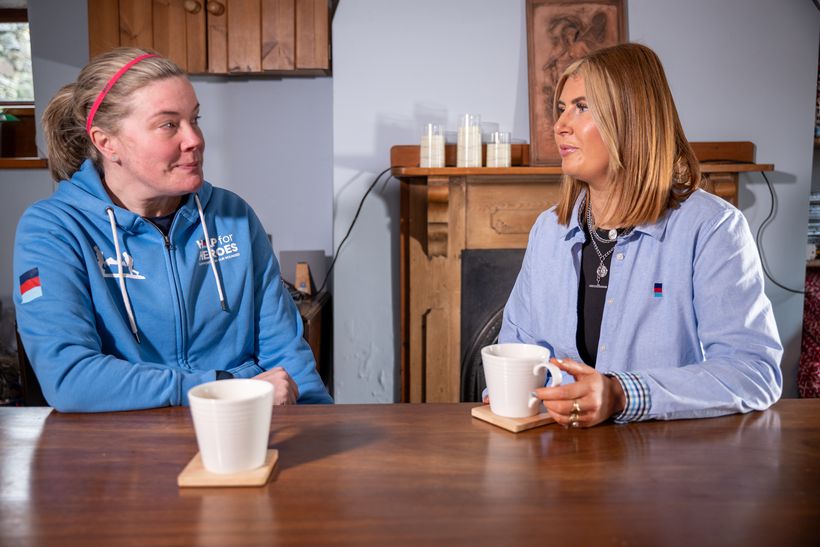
<point x="193" y="137"/>
<point x="561" y="127"/>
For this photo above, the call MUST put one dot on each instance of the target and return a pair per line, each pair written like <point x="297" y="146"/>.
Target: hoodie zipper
<point x="180" y="316"/>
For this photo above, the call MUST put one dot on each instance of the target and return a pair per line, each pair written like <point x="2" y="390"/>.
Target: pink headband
<point x="98" y="101"/>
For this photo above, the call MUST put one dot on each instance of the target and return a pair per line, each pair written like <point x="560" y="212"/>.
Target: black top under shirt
<point x="591" y="298"/>
<point x="163" y="222"/>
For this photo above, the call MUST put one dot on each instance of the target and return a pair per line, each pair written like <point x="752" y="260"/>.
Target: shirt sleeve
<point x="280" y="327"/>
<point x="637" y="397"/>
<point x="740" y="371"/>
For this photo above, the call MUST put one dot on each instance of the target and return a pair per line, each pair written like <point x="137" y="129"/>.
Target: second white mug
<point x="512" y="372"/>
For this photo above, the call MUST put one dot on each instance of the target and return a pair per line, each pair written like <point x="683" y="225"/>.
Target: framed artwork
<point x="558" y="33"/>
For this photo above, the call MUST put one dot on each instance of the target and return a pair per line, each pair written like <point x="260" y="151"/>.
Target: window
<point x="17" y="122"/>
<point x="16" y="82"/>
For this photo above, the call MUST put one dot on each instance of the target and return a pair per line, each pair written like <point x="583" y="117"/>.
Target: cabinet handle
<point x="216" y="8"/>
<point x="192" y="6"/>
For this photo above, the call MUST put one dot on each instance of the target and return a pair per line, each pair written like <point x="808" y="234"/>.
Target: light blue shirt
<point x="686" y="328"/>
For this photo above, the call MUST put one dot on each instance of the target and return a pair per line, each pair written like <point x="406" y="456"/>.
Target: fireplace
<point x="462" y="228"/>
<point x="487" y="277"/>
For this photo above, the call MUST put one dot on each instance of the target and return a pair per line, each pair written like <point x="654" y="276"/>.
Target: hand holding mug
<point x="590" y="400"/>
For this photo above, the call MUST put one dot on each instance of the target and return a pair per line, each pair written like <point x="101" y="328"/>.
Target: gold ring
<point x="576" y="408"/>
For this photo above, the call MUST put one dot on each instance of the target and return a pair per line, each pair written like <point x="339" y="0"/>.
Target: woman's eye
<point x="169" y="125"/>
<point x="195" y="121"/>
<point x="582" y="107"/>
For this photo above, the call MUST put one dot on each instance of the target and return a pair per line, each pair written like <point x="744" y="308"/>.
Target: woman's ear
<point x="106" y="144"/>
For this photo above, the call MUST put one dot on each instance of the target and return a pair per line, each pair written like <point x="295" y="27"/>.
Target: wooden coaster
<point x="195" y="474"/>
<point x="516" y="425"/>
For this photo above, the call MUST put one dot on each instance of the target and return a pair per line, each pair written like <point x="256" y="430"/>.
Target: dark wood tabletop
<point x="426" y="474"/>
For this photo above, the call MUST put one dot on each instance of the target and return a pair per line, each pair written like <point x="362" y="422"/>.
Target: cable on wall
<point x="759" y="236"/>
<point x="352" y="223"/>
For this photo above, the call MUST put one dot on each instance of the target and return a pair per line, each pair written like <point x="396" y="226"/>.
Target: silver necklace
<point x="602" y="270"/>
<point x="612" y="235"/>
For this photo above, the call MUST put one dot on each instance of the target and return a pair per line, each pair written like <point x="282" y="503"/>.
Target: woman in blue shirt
<point x="648" y="290"/>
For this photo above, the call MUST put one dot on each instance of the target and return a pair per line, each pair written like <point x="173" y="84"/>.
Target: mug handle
<point x="554" y="371"/>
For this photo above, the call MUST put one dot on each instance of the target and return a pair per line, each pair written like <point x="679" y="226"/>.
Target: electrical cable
<point x="759" y="236"/>
<point x="350" y="229"/>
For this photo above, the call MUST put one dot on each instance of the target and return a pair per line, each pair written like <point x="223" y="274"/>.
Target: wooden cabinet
<point x="219" y="37"/>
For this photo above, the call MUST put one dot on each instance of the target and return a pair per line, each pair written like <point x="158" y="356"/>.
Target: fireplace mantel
<point x="445" y="211"/>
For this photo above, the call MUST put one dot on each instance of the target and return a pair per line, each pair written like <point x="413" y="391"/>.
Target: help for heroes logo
<point x="222" y="247"/>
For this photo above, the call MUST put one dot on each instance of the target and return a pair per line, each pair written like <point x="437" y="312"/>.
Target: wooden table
<point x="416" y="475"/>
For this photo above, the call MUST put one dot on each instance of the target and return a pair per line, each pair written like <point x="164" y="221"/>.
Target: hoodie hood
<point x="86" y="191"/>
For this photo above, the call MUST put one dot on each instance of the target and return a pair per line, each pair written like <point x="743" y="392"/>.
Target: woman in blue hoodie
<point x="137" y="278"/>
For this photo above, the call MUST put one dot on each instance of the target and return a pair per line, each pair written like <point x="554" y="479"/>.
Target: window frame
<point x="15" y="15"/>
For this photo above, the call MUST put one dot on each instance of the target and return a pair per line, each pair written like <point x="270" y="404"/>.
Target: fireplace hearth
<point x="487" y="277"/>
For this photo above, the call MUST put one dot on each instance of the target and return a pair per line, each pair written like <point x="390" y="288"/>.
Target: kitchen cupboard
<point x="219" y="36"/>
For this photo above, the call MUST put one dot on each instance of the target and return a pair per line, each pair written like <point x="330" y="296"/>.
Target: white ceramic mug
<point x="232" y="423"/>
<point x="512" y="372"/>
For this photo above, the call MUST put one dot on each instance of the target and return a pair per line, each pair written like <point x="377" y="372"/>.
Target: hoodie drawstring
<point x="120" y="275"/>
<point x="211" y="254"/>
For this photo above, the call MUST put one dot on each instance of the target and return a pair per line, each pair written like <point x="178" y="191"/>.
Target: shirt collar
<point x="576" y="231"/>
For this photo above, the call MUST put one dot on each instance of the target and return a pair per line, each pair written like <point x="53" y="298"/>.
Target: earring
<point x="114" y="158"/>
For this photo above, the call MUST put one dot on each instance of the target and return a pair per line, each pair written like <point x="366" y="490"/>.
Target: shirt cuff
<point x="637" y="397"/>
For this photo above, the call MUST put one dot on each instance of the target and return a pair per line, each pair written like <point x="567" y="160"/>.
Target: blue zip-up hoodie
<point x="97" y="346"/>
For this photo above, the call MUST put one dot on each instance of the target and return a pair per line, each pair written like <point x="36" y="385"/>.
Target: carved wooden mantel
<point x="447" y="210"/>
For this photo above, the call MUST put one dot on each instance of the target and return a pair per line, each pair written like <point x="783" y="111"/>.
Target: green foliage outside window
<point x="16" y="81"/>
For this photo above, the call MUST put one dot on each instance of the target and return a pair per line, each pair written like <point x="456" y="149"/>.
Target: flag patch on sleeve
<point x="658" y="290"/>
<point x="30" y="287"/>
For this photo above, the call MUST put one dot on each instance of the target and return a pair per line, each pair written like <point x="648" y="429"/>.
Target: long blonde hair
<point x="65" y="116"/>
<point x="652" y="166"/>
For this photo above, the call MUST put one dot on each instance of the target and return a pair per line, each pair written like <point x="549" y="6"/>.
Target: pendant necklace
<point x="602" y="270"/>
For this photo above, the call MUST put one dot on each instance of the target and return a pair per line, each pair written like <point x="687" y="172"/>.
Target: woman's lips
<point x="566" y="150"/>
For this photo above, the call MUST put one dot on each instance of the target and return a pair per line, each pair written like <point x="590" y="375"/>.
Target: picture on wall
<point x="560" y="32"/>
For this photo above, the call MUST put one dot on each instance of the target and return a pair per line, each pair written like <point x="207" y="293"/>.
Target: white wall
<point x="270" y="141"/>
<point x="398" y="65"/>
<point x="739" y="69"/>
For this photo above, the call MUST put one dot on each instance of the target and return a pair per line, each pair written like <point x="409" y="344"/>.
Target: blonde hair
<point x="652" y="167"/>
<point x="65" y="116"/>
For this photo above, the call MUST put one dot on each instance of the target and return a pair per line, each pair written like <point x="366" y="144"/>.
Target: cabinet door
<point x="278" y="34"/>
<point x="244" y="35"/>
<point x="103" y="26"/>
<point x="174" y="28"/>
<point x="136" y="23"/>
<point x="179" y="32"/>
<point x="312" y="34"/>
<point x="218" y="36"/>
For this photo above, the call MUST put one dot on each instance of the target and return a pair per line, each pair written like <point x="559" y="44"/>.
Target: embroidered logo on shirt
<point x="110" y="268"/>
<point x="658" y="290"/>
<point x="30" y="287"/>
<point x="222" y="247"/>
